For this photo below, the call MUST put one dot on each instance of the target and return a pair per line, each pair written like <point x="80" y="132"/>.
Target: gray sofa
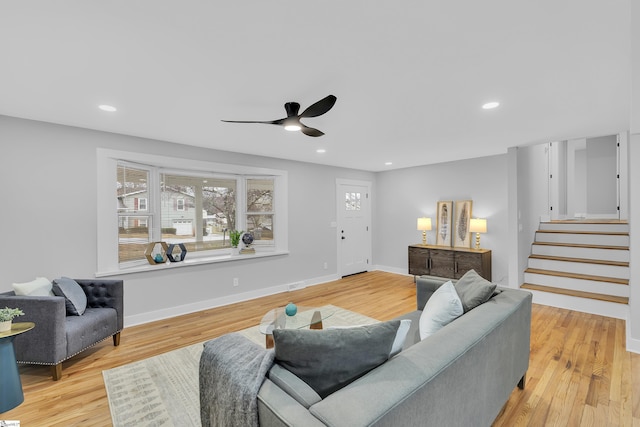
<point x="58" y="336"/>
<point x="460" y="376"/>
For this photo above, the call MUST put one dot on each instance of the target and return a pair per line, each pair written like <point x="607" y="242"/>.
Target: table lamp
<point x="478" y="225"/>
<point x="424" y="224"/>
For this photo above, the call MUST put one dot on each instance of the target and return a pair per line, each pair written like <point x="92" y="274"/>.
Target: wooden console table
<point x="448" y="262"/>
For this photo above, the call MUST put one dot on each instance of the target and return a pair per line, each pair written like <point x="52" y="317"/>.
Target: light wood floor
<point x="579" y="374"/>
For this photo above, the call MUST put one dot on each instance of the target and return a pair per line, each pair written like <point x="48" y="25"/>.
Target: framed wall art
<point x="444" y="214"/>
<point x="462" y="217"/>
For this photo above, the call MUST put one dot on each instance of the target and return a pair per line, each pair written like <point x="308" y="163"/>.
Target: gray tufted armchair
<point x="57" y="337"/>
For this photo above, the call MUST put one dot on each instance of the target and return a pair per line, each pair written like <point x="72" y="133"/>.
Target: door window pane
<point x="352" y="201"/>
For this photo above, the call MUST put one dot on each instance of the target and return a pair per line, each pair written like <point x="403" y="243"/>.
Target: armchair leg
<point x="116" y="339"/>
<point x="56" y="371"/>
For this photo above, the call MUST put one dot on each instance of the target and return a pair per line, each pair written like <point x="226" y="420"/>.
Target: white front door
<point x="354" y="226"/>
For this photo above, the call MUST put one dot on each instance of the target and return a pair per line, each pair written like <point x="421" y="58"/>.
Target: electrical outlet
<point x="236" y="282"/>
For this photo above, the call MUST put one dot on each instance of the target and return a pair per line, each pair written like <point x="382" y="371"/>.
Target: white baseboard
<point x="388" y="269"/>
<point x="633" y="345"/>
<point x="151" y="316"/>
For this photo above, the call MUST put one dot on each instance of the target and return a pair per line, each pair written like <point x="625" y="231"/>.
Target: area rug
<point x="163" y="390"/>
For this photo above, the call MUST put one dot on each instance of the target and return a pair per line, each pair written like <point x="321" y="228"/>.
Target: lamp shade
<point x="478" y="225"/>
<point x="424" y="224"/>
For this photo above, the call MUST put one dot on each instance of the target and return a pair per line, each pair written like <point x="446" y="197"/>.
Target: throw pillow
<point x="474" y="290"/>
<point x="330" y="359"/>
<point x="74" y="297"/>
<point x="442" y="308"/>
<point x="41" y="286"/>
<point x="401" y="335"/>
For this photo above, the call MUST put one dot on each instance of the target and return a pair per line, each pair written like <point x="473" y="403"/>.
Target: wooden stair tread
<point x="581" y="260"/>
<point x="582" y="245"/>
<point x="586" y="221"/>
<point x="578" y="276"/>
<point x="598" y="233"/>
<point x="580" y="294"/>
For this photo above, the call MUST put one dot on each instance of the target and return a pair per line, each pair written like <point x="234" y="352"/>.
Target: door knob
<point x="343" y="237"/>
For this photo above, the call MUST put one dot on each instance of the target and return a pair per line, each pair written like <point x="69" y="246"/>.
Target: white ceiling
<point x="410" y="76"/>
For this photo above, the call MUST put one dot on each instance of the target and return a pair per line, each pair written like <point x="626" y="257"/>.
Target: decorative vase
<point x="5" y="326"/>
<point x="291" y="309"/>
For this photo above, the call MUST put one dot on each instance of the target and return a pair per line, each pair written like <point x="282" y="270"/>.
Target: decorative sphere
<point x="291" y="309"/>
<point x="247" y="238"/>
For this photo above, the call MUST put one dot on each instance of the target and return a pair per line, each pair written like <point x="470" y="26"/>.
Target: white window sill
<point x="190" y="262"/>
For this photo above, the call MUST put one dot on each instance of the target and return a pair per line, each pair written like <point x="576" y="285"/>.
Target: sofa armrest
<point x="49" y="314"/>
<point x="105" y="293"/>
<point x="426" y="286"/>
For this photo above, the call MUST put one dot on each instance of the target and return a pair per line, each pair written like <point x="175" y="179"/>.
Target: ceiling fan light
<point x="293" y="128"/>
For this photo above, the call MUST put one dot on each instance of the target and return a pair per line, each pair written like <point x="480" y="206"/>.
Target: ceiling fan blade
<point x="269" y="122"/>
<point x="310" y="131"/>
<point x="320" y="107"/>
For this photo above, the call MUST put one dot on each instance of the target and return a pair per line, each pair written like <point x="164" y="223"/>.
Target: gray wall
<point x="48" y="175"/>
<point x="404" y="195"/>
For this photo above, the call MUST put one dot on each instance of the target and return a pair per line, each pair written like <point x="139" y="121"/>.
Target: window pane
<point x="259" y="195"/>
<point x="133" y="230"/>
<point x="197" y="211"/>
<point x="261" y="226"/>
<point x="131" y="186"/>
<point x="133" y="237"/>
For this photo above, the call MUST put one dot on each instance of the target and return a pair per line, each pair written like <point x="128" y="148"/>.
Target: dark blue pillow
<point x="74" y="297"/>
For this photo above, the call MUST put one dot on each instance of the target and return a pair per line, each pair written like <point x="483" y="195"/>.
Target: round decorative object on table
<point x="247" y="238"/>
<point x="291" y="309"/>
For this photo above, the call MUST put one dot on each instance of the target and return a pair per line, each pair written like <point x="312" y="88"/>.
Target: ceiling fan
<point x="292" y="121"/>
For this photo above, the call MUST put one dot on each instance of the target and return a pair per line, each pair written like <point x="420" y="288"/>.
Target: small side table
<point x="11" y="391"/>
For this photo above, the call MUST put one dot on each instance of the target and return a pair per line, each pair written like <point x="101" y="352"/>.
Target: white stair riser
<point x="580" y="268"/>
<point x="578" y="252"/>
<point x="586" y="305"/>
<point x="604" y="227"/>
<point x="605" y="288"/>
<point x="584" y="239"/>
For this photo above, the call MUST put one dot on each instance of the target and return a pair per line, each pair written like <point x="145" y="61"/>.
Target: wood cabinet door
<point x="480" y="262"/>
<point x="442" y="263"/>
<point x="418" y="261"/>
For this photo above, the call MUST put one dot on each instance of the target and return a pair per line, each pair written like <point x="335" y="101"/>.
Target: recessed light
<point x="490" y="105"/>
<point x="388" y="163"/>
<point x="321" y="150"/>
<point x="108" y="108"/>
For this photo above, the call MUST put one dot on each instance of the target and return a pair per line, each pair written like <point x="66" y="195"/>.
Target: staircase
<point x="581" y="265"/>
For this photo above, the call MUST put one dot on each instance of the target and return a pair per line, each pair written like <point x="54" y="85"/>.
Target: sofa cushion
<point x="41" y="287"/>
<point x="294" y="386"/>
<point x="328" y="360"/>
<point x="74" y="297"/>
<point x="474" y="290"/>
<point x="442" y="308"/>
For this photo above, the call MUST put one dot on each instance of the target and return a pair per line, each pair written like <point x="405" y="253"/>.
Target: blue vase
<point x="158" y="258"/>
<point x="291" y="309"/>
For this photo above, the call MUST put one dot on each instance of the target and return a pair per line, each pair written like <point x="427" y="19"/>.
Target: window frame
<point x="107" y="238"/>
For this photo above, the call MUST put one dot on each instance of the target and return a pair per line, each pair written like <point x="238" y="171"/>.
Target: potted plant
<point x="6" y="316"/>
<point x="234" y="236"/>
